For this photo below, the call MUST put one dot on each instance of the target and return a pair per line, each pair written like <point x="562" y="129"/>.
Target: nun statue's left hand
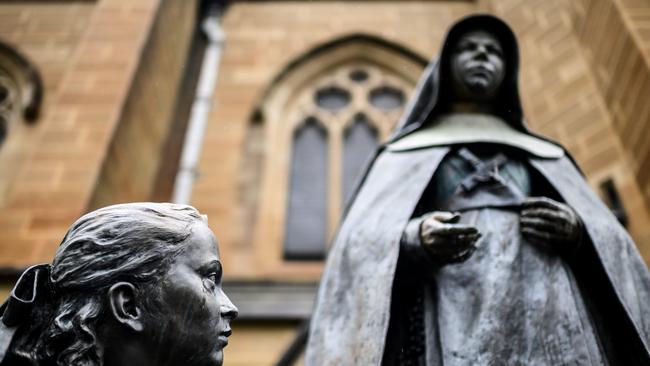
<point x="544" y="220"/>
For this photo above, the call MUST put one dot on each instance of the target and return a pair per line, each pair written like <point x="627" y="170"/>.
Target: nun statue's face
<point x="477" y="67"/>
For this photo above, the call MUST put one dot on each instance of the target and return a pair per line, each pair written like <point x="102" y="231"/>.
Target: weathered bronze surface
<point x="478" y="251"/>
<point x="131" y="284"/>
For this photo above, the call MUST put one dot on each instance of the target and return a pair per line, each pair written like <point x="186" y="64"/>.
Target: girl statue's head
<point x="130" y="283"/>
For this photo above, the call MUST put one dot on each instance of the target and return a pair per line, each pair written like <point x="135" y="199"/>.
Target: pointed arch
<point x="353" y="47"/>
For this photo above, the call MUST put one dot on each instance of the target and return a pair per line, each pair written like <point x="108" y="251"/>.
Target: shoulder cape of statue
<point x="353" y="304"/>
<point x="471" y="128"/>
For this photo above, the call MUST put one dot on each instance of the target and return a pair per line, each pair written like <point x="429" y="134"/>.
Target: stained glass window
<point x="306" y="224"/>
<point x="386" y="98"/>
<point x="360" y="141"/>
<point x="332" y="99"/>
<point x="350" y="109"/>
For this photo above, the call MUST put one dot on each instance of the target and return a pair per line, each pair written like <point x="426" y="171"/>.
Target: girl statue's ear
<point x="32" y="289"/>
<point x="125" y="309"/>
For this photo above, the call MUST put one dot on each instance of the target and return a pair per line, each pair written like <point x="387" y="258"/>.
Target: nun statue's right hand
<point x="445" y="240"/>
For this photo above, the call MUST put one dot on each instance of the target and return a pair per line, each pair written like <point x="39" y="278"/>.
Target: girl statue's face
<point x="193" y="325"/>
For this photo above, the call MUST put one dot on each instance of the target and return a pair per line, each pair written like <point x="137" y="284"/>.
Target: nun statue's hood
<point x="431" y="95"/>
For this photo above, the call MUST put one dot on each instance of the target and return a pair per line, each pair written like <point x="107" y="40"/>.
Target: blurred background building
<point x="262" y="113"/>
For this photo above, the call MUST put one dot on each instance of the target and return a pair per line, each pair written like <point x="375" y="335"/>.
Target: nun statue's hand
<point x="550" y="223"/>
<point x="445" y="240"/>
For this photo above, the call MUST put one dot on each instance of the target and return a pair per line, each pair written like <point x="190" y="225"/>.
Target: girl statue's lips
<point x="223" y="338"/>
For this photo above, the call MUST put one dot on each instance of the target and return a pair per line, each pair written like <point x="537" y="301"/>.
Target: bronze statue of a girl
<point x="131" y="284"/>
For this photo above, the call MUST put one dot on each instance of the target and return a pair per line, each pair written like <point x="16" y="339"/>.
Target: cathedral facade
<point x="262" y="114"/>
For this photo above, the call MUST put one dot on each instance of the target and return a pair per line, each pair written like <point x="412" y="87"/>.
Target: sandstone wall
<point x="87" y="83"/>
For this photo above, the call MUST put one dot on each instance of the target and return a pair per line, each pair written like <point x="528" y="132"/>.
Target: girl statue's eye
<point x="215" y="277"/>
<point x="210" y="281"/>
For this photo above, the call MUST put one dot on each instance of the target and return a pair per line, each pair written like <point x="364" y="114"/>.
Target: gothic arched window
<point x="20" y="90"/>
<point x="317" y="125"/>
<point x="360" y="140"/>
<point x="357" y="105"/>
<point x="306" y="223"/>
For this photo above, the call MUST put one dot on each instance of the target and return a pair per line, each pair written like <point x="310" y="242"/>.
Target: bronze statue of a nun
<point x="471" y="240"/>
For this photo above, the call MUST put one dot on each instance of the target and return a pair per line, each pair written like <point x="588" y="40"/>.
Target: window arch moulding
<point x="335" y="83"/>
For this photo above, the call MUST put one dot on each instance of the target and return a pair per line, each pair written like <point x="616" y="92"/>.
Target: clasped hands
<point x="543" y="221"/>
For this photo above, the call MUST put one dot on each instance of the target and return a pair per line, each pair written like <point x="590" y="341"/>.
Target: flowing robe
<point x="512" y="302"/>
<point x="353" y="309"/>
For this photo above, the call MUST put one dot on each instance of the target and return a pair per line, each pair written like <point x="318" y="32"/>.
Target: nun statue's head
<point x="477" y="64"/>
